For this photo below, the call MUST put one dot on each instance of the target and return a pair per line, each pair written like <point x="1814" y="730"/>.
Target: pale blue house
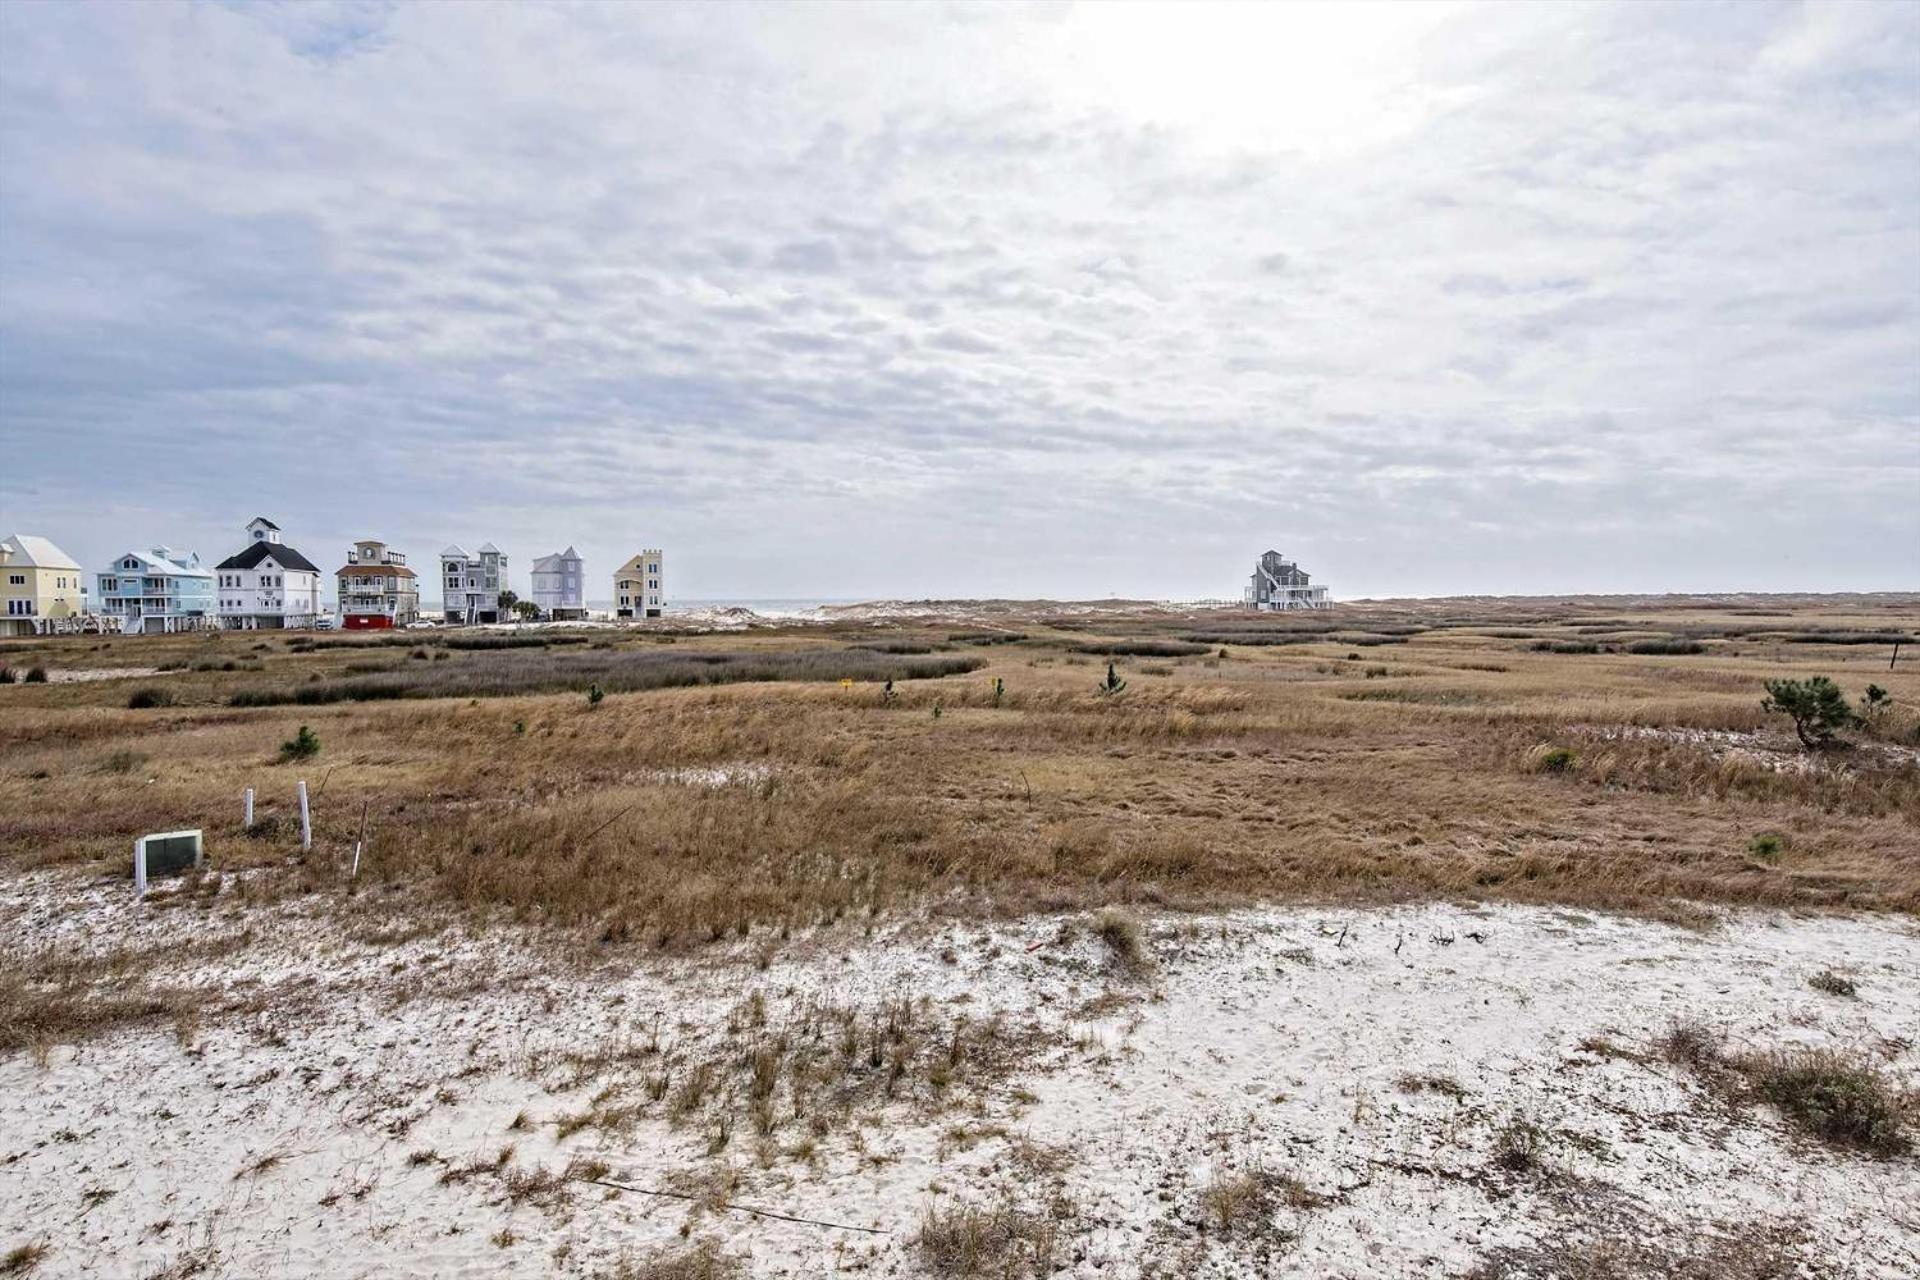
<point x="158" y="591"/>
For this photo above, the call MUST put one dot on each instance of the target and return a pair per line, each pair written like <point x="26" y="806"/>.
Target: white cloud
<point x="895" y="299"/>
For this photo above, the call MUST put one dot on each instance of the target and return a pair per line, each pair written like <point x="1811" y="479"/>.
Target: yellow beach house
<point x="39" y="585"/>
<point x="636" y="586"/>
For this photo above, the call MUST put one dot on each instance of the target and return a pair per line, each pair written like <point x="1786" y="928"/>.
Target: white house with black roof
<point x="267" y="587"/>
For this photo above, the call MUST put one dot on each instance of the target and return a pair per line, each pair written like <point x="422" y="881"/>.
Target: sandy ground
<point x="1370" y="1055"/>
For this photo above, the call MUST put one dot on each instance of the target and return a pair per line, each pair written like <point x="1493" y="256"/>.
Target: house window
<point x="16" y="579"/>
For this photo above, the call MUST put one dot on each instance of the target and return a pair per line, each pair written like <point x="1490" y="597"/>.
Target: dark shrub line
<point x="411" y="639"/>
<point x="1669" y="645"/>
<point x="509" y="641"/>
<point x="1142" y="648"/>
<point x="508" y="675"/>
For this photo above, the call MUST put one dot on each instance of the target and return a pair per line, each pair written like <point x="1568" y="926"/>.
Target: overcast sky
<point x="915" y="300"/>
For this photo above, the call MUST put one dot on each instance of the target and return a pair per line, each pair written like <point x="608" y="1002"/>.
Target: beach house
<point x="268" y="586"/>
<point x="39" y="585"/>
<point x="636" y="586"/>
<point x="470" y="585"/>
<point x="559" y="587"/>
<point x="158" y="591"/>
<point x="1280" y="585"/>
<point x="376" y="589"/>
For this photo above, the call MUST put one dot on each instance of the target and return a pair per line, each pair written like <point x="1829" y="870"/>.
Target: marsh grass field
<point x="1398" y="753"/>
<point x="652" y="802"/>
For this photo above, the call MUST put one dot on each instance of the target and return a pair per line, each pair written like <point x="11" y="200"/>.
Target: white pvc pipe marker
<point x="306" y="822"/>
<point x="247" y="819"/>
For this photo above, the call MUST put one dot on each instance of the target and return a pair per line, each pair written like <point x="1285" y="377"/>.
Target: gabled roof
<point x="159" y="561"/>
<point x="263" y="520"/>
<point x="30" y="551"/>
<point x="455" y="552"/>
<point x="549" y="564"/>
<point x="570" y="553"/>
<point x="281" y="554"/>
<point x="487" y="548"/>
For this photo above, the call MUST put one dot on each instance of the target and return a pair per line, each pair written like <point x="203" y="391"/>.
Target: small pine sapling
<point x="1816" y="706"/>
<point x="999" y="690"/>
<point x="594" y="696"/>
<point x="303" y="745"/>
<point x="1113" y="685"/>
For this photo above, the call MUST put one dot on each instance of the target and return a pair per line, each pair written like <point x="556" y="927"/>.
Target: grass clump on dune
<point x="1840" y="1097"/>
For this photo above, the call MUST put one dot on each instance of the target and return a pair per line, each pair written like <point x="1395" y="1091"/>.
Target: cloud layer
<point x="902" y="300"/>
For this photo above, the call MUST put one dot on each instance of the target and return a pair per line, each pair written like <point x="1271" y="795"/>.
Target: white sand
<point x="1274" y="1039"/>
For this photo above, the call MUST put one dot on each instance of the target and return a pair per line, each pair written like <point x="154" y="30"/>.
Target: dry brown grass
<point x="1283" y="771"/>
<point x="987" y="1242"/>
<point x="794" y="1070"/>
<point x="1633" y="1251"/>
<point x="22" y="1258"/>
<point x="702" y="1260"/>
<point x="1841" y="1097"/>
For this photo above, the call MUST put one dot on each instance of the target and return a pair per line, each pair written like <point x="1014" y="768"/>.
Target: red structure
<point x="377" y="590"/>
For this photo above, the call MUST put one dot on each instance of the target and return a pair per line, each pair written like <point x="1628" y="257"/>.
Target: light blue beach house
<point x="158" y="591"/>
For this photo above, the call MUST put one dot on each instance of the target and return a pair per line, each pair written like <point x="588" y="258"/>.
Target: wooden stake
<point x="361" y="841"/>
<point x="306" y="819"/>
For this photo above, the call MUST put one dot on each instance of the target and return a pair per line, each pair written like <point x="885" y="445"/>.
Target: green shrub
<point x="302" y="746"/>
<point x="1767" y="846"/>
<point x="1843" y="1099"/>
<point x="148" y="697"/>
<point x="595" y="695"/>
<point x="1557" y="760"/>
